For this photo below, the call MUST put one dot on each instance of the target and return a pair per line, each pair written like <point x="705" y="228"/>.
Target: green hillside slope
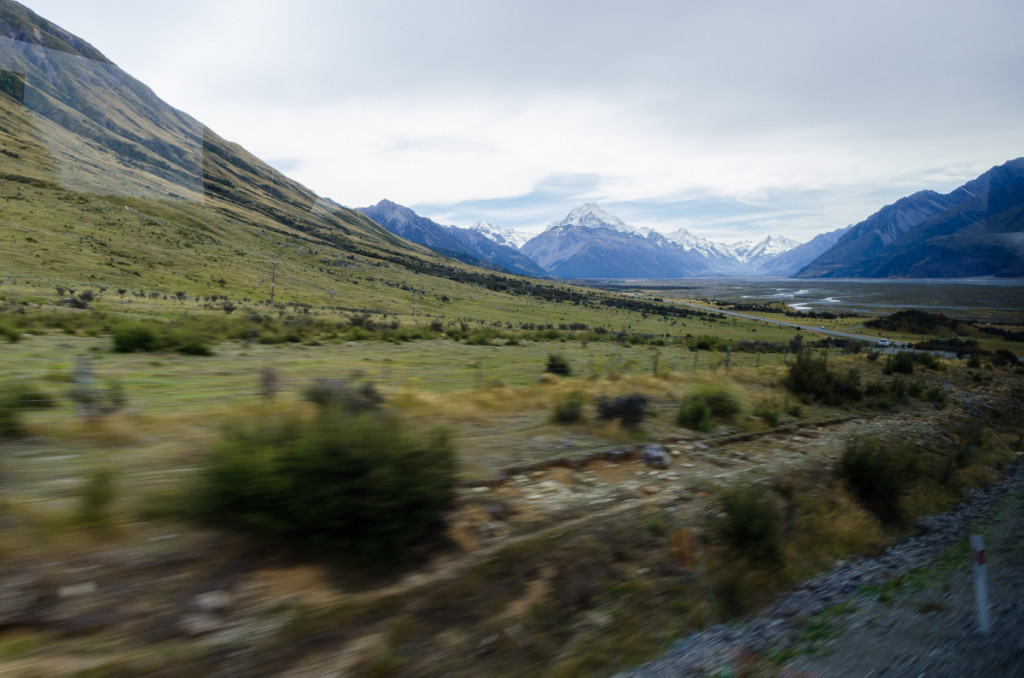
<point x="105" y="182"/>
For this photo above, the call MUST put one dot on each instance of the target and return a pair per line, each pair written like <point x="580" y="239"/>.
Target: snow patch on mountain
<point x="589" y="215"/>
<point x="501" y="236"/>
<point x="589" y="233"/>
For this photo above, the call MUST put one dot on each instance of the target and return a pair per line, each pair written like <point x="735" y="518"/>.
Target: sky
<point x="733" y="120"/>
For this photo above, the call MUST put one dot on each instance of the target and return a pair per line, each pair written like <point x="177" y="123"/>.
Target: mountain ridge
<point x="974" y="230"/>
<point x="591" y="243"/>
<point x="470" y="246"/>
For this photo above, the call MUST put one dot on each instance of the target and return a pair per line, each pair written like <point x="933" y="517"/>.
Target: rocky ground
<point x="911" y="611"/>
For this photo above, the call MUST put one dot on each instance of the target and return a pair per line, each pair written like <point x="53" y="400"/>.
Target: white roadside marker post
<point x="980" y="582"/>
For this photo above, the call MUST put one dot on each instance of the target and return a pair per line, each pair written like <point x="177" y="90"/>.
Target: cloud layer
<point x="731" y="119"/>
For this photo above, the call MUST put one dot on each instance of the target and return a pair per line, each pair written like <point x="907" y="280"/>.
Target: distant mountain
<point x="717" y="257"/>
<point x="755" y="254"/>
<point x="976" y="230"/>
<point x="590" y="243"/>
<point x="789" y="262"/>
<point x="476" y="246"/>
<point x="502" y="236"/>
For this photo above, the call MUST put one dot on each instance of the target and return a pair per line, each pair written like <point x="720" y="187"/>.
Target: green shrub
<point x="558" y="365"/>
<point x="11" y="424"/>
<point x="97" y="497"/>
<point x="901" y="363"/>
<point x="569" y="409"/>
<point x="699" y="407"/>
<point x="904" y="362"/>
<point x="768" y="415"/>
<point x="11" y="333"/>
<point x="723" y="403"/>
<point x="351" y="395"/>
<point x="694" y="413"/>
<point x="914" y="389"/>
<point x="137" y="336"/>
<point x="359" y="487"/>
<point x="935" y="395"/>
<point x="810" y="377"/>
<point x="750" y="525"/>
<point x="879" y="473"/>
<point x="479" y="339"/>
<point x="630" y="409"/>
<point x="191" y="342"/>
<point x="28" y="397"/>
<point x="15" y="398"/>
<point x="1004" y="358"/>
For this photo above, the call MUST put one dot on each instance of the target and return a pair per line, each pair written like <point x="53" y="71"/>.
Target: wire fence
<point x="150" y="383"/>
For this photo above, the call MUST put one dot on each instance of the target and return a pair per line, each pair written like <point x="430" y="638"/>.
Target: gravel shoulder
<point x="910" y="611"/>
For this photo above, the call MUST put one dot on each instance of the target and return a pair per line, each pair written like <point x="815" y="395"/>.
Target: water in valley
<point x="989" y="299"/>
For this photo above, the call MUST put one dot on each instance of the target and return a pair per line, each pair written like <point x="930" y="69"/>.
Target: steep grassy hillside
<point x="81" y="141"/>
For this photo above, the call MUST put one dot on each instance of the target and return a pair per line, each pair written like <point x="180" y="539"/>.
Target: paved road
<point x="797" y="326"/>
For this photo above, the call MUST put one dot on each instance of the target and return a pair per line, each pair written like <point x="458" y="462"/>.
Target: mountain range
<point x="975" y="230"/>
<point x="482" y="245"/>
<point x="590" y="243"/>
<point x="73" y="123"/>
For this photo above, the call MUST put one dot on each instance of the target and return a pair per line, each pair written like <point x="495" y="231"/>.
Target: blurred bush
<point x="809" y="376"/>
<point x="750" y="524"/>
<point x="699" y="407"/>
<point x="557" y="364"/>
<point x="569" y="409"/>
<point x="353" y="394"/>
<point x="629" y="409"/>
<point x="879" y="473"/>
<point x="355" y="485"/>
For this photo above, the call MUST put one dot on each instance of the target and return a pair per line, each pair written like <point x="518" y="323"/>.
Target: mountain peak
<point x="502" y="236"/>
<point x="590" y="215"/>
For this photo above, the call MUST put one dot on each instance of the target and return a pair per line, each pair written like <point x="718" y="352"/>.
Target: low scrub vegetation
<point x="879" y="473"/>
<point x="810" y="377"/>
<point x="629" y="410"/>
<point x="569" y="408"/>
<point x="700" y="407"/>
<point x="750" y="525"/>
<point x="149" y="336"/>
<point x="15" y="399"/>
<point x="905" y="361"/>
<point x="358" y="486"/>
<point x="557" y="364"/>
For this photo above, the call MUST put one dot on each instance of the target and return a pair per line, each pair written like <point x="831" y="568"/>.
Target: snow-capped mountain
<point x="754" y="254"/>
<point x="501" y="236"/>
<point x="590" y="215"/>
<point x="468" y="245"/>
<point x="590" y="243"/>
<point x="789" y="262"/>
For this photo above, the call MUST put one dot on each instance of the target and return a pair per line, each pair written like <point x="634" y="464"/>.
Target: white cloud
<point x="812" y="112"/>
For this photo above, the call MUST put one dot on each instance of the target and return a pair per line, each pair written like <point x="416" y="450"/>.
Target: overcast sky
<point x="731" y="119"/>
